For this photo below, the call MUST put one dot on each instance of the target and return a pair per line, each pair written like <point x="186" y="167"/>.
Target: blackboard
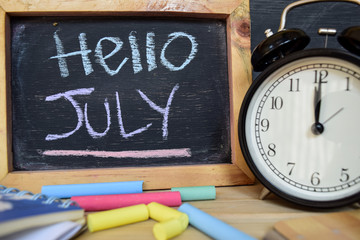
<point x="339" y="15"/>
<point x="100" y="92"/>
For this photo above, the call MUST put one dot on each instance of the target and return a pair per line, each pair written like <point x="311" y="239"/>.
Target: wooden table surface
<point x="238" y="206"/>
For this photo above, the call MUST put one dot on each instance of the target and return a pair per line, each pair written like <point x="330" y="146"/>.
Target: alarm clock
<point x="299" y="122"/>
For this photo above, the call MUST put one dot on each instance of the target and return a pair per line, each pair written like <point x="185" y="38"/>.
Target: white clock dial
<point x="302" y="128"/>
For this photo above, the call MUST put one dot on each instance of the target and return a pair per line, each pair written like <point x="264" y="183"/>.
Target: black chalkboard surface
<point x="116" y="92"/>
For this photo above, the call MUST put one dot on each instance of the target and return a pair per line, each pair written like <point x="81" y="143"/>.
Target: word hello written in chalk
<point x="103" y="60"/>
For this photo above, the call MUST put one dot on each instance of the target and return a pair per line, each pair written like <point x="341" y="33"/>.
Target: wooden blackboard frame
<point x="236" y="14"/>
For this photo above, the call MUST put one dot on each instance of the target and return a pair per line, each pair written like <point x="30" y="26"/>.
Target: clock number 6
<point x="315" y="180"/>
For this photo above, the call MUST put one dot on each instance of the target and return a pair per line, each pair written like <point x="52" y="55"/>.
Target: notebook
<point x="21" y="210"/>
<point x="58" y="231"/>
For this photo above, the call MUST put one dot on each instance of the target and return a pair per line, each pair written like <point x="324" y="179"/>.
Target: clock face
<point x="300" y="128"/>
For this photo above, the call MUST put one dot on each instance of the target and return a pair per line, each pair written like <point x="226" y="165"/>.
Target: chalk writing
<point x="135" y="53"/>
<point x="158" y="153"/>
<point x="191" y="56"/>
<point x="163" y="111"/>
<point x="89" y="128"/>
<point x="64" y="71"/>
<point x="69" y="95"/>
<point x="82" y="115"/>
<point x="150" y="51"/>
<point x="101" y="58"/>
<point x="107" y="92"/>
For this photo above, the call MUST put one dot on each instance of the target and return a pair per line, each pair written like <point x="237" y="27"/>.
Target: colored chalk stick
<point x="107" y="202"/>
<point x="117" y="217"/>
<point x="70" y="190"/>
<point x="210" y="225"/>
<point x="161" y="213"/>
<point x="196" y="193"/>
<point x="171" y="228"/>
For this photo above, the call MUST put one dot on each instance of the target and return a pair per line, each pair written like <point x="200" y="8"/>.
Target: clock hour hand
<point x="317" y="128"/>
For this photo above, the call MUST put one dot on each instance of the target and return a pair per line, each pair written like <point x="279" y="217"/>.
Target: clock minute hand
<point x="334" y="114"/>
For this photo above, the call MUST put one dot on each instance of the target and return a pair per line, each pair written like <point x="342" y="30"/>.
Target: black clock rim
<point x="335" y="53"/>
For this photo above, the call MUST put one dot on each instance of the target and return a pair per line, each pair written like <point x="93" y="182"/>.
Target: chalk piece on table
<point x="106" y="202"/>
<point x="70" y="190"/>
<point x="161" y="213"/>
<point x="171" y="222"/>
<point x="117" y="217"/>
<point x="210" y="225"/>
<point x="196" y="193"/>
<point x="171" y="228"/>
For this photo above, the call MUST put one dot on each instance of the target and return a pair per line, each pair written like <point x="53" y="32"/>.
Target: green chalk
<point x="196" y="193"/>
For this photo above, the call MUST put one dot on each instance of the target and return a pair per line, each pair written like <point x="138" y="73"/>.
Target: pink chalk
<point x="159" y="153"/>
<point x="107" y="202"/>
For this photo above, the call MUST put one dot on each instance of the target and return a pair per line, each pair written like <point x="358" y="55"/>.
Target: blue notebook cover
<point x="24" y="212"/>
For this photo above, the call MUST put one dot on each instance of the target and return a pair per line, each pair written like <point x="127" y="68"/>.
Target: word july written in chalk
<point x="83" y="52"/>
<point x="83" y="116"/>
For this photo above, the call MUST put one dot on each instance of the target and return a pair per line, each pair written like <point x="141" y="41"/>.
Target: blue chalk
<point x="86" y="189"/>
<point x="212" y="226"/>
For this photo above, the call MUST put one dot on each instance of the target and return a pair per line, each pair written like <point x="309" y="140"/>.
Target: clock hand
<point x="317" y="104"/>
<point x="336" y="113"/>
<point x="317" y="128"/>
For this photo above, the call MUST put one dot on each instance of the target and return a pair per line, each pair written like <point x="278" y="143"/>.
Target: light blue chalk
<point x="86" y="189"/>
<point x="212" y="226"/>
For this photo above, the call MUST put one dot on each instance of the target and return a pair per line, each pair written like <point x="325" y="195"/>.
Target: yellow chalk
<point x="184" y="220"/>
<point x="117" y="217"/>
<point x="171" y="228"/>
<point x="162" y="213"/>
<point x="171" y="222"/>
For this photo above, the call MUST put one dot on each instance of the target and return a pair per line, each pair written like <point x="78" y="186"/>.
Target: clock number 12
<point x="320" y="76"/>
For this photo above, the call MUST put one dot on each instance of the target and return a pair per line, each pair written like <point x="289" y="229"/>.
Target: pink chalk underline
<point x="159" y="153"/>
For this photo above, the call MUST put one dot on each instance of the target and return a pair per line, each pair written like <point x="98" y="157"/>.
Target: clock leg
<point x="264" y="193"/>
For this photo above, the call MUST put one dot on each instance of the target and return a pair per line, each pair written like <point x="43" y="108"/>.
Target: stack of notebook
<point x="24" y="215"/>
